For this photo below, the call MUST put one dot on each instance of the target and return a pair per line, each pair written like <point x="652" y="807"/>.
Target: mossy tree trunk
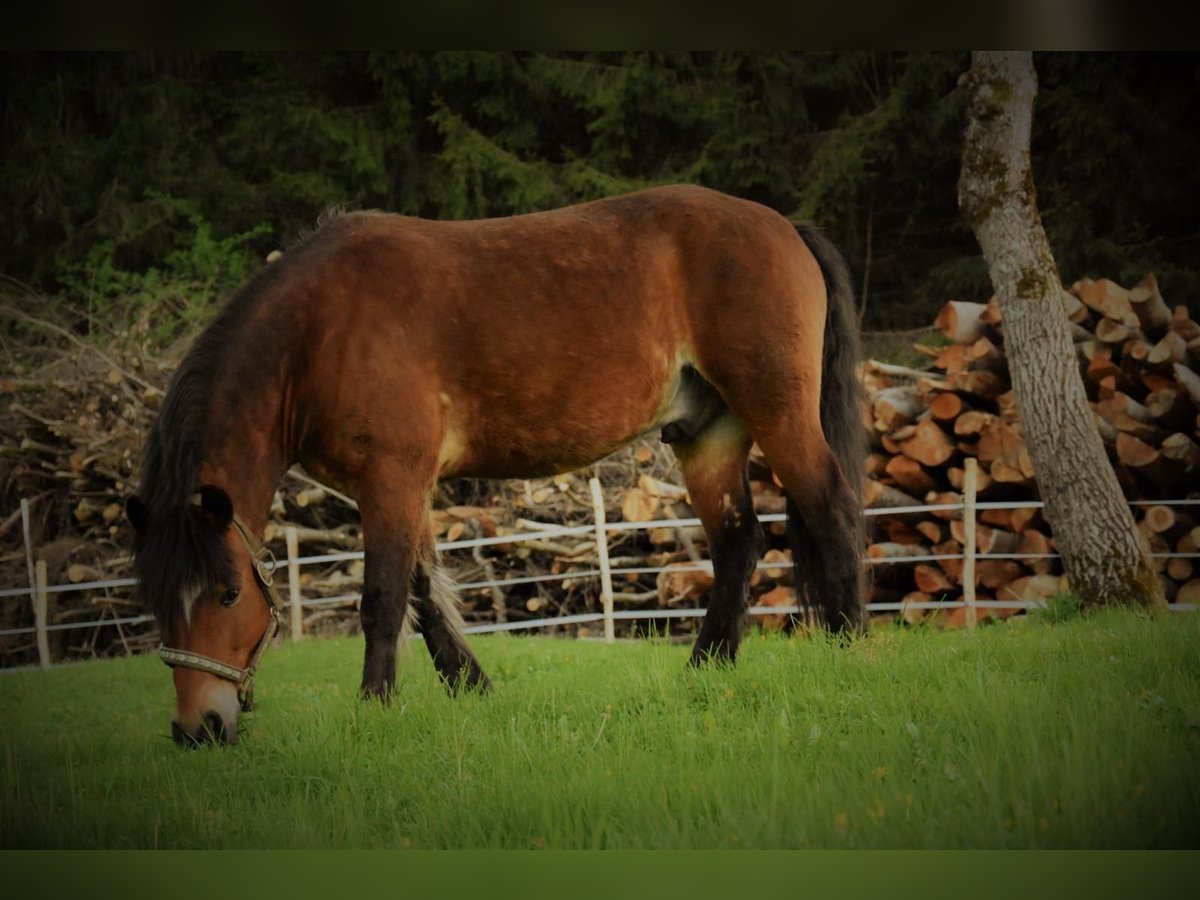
<point x="1102" y="552"/>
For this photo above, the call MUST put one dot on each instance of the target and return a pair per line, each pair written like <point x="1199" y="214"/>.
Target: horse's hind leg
<point x="442" y="627"/>
<point x="714" y="467"/>
<point x="824" y="520"/>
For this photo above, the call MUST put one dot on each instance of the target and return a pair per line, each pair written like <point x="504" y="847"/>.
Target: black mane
<point x="177" y="551"/>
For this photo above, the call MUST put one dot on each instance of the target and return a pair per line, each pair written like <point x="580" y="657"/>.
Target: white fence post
<point x="606" y="591"/>
<point x="297" y="613"/>
<point x="970" y="486"/>
<point x="28" y="549"/>
<point x="39" y="614"/>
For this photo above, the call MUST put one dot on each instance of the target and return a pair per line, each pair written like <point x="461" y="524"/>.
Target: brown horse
<point x="384" y="353"/>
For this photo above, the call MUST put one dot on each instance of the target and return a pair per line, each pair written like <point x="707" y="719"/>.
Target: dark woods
<point x="135" y="175"/>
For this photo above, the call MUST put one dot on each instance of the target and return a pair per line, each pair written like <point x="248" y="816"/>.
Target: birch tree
<point x="1104" y="556"/>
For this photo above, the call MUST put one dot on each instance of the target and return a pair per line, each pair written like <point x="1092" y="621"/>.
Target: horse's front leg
<point x="389" y="568"/>
<point x="393" y="523"/>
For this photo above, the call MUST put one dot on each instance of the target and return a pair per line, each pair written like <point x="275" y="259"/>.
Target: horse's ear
<point x="137" y="513"/>
<point x="215" y="506"/>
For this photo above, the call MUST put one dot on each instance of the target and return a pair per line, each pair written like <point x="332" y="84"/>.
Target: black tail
<point x="841" y="420"/>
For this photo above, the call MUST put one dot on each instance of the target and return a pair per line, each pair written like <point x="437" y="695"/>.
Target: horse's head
<point x="209" y="582"/>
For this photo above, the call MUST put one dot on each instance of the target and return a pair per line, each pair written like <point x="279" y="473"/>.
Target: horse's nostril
<point x="211" y="731"/>
<point x="214" y="727"/>
<point x="185" y="738"/>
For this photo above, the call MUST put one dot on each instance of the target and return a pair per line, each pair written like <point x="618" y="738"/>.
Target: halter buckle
<point x="264" y="566"/>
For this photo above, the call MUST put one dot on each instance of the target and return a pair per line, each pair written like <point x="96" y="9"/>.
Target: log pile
<point x="1139" y="359"/>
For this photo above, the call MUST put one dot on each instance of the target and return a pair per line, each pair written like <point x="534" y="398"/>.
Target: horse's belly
<point x="535" y="434"/>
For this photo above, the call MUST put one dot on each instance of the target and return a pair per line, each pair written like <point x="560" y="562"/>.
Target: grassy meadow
<point x="1081" y="733"/>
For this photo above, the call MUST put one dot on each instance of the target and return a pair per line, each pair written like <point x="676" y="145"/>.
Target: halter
<point x="264" y="563"/>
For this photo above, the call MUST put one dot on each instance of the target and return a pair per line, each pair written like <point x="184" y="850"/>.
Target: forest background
<point x="142" y="187"/>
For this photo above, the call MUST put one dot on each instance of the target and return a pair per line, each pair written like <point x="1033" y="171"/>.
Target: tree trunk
<point x="1093" y="526"/>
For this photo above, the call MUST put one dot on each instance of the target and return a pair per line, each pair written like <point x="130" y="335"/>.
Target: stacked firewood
<point x="1139" y="360"/>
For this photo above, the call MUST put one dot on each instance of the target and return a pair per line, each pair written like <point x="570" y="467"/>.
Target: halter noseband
<point x="263" y="563"/>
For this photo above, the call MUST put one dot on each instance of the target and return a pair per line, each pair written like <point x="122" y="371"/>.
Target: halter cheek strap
<point x="264" y="563"/>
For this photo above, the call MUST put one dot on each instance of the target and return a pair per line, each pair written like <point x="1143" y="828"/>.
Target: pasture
<point x="1035" y="733"/>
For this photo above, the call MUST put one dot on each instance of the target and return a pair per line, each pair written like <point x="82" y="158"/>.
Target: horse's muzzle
<point x="211" y="730"/>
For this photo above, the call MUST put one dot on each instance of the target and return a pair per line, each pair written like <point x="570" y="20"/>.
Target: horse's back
<point x="544" y="341"/>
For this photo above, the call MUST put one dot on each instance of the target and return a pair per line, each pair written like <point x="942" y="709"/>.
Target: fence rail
<point x="38" y="590"/>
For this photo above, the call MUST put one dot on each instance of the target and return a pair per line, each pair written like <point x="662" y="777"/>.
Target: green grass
<point x="1084" y="733"/>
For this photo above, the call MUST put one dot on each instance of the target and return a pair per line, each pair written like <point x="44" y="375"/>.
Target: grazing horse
<point x="384" y="353"/>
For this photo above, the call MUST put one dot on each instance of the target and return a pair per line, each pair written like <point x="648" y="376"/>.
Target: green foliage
<point x="1059" y="608"/>
<point x="1022" y="735"/>
<point x="173" y="298"/>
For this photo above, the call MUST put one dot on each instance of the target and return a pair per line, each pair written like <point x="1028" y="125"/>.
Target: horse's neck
<point x="252" y="456"/>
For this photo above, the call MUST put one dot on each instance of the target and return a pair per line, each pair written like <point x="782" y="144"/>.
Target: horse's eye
<point x="230" y="597"/>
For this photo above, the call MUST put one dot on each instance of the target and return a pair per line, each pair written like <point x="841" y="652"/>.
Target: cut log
<point x="895" y="406"/>
<point x="877" y="495"/>
<point x="909" y="475"/>
<point x="1033" y="541"/>
<point x="997" y="518"/>
<point x="908" y="613"/>
<point x="1180" y="569"/>
<point x="1107" y="298"/>
<point x="994" y="574"/>
<point x="952" y="359"/>
<point x="931" y="531"/>
<point x="1182" y="324"/>
<point x="987" y="540"/>
<point x="900" y="532"/>
<point x="931" y="580"/>
<point x="1183" y="450"/>
<point x="888" y="551"/>
<point x="1189" y="593"/>
<point x="961" y="321"/>
<point x="958" y="478"/>
<point x="1148" y="463"/>
<point x="987" y="385"/>
<point x="986" y="356"/>
<point x="1171" y="409"/>
<point x="952" y="567"/>
<point x="1004" y="444"/>
<point x="1113" y="402"/>
<point x="928" y="445"/>
<point x="971" y="423"/>
<point x="1077" y="313"/>
<point x="1148" y="305"/>
<point x="1033" y="587"/>
<point x="946" y="406"/>
<point x="680" y="584"/>
<point x="1104" y="366"/>
<point x="1023" y="518"/>
<point x="938" y="498"/>
<point x="1110" y="331"/>
<point x="1167" y="352"/>
<point x="1190" y="381"/>
<point x="1167" y="521"/>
